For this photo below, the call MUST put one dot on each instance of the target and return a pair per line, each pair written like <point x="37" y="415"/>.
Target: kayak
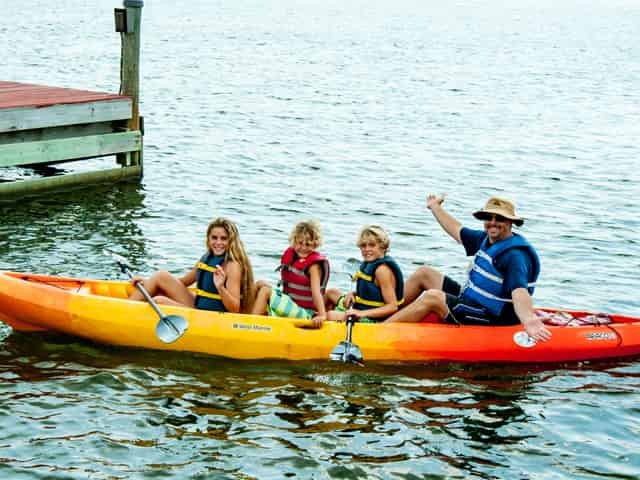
<point x="98" y="310"/>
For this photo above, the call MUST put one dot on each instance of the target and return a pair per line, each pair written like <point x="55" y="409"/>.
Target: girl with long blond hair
<point x="223" y="276"/>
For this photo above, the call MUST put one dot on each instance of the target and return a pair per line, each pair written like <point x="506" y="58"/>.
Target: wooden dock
<point x="44" y="125"/>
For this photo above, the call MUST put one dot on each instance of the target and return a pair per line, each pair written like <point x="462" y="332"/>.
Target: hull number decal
<point x="253" y="327"/>
<point x="601" y="336"/>
<point x="523" y="339"/>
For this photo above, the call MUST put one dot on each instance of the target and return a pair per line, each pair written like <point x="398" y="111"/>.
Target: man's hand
<point x="446" y="221"/>
<point x="432" y="200"/>
<point x="536" y="329"/>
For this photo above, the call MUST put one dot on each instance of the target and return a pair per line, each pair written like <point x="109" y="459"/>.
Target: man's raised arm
<point x="446" y="221"/>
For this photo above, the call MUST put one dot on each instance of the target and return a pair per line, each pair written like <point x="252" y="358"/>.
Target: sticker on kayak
<point x="523" y="339"/>
<point x="601" y="336"/>
<point x="253" y="326"/>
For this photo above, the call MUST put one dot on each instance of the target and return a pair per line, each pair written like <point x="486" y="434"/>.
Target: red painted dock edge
<point x="17" y="95"/>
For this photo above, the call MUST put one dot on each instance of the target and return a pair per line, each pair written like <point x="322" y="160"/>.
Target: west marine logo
<point x="254" y="327"/>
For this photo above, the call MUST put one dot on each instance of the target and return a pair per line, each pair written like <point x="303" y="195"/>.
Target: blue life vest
<point x="207" y="296"/>
<point x="484" y="285"/>
<point x="368" y="294"/>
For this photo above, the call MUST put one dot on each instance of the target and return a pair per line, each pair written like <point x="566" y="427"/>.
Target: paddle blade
<point x="337" y="354"/>
<point x="347" y="352"/>
<point x="171" y="327"/>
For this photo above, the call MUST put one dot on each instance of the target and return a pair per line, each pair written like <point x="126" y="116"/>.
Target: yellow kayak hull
<point x="99" y="310"/>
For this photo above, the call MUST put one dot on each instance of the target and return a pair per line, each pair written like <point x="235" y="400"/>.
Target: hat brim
<point x="519" y="221"/>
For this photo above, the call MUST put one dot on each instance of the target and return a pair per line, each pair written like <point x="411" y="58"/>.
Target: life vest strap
<point x="486" y="274"/>
<point x="294" y="270"/>
<point x="204" y="293"/>
<point x="484" y="255"/>
<point x="362" y="275"/>
<point x="208" y="268"/>
<point x="295" y="286"/>
<point x="486" y="294"/>
<point x="475" y="267"/>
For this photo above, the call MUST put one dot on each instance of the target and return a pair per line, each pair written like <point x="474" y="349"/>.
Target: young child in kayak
<point x="379" y="282"/>
<point x="304" y="276"/>
<point x="223" y="276"/>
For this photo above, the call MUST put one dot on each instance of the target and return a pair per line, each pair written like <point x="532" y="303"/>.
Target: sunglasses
<point x="489" y="216"/>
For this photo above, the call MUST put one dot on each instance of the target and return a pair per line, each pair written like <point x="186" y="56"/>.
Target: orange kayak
<point x="98" y="310"/>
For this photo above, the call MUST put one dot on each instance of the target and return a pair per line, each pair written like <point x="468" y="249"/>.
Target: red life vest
<point x="295" y="276"/>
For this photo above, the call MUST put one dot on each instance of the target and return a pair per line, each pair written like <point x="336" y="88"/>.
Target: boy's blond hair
<point x="377" y="234"/>
<point x="309" y="229"/>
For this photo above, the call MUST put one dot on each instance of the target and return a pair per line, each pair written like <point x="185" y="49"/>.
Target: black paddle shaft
<point x="350" y="321"/>
<point x="125" y="269"/>
<point x="170" y="327"/>
<point x="144" y="292"/>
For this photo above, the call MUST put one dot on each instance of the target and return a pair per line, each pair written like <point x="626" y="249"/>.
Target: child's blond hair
<point x="309" y="229"/>
<point x="375" y="233"/>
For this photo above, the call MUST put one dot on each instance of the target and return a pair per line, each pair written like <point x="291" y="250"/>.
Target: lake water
<point x="272" y="112"/>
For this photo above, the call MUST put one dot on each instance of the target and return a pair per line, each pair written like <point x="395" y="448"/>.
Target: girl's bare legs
<point x="170" y="287"/>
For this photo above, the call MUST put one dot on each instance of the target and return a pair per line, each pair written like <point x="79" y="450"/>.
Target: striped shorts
<point x="282" y="305"/>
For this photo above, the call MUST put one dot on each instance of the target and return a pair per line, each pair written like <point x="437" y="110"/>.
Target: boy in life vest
<point x="379" y="282"/>
<point x="304" y="276"/>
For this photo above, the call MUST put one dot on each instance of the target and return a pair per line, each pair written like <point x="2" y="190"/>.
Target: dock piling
<point x="130" y="71"/>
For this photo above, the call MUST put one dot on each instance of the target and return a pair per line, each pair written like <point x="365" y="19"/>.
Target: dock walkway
<point x="44" y="125"/>
<point x="47" y="125"/>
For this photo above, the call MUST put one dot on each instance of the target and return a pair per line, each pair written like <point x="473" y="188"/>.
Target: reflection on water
<point x="62" y="229"/>
<point x="132" y="412"/>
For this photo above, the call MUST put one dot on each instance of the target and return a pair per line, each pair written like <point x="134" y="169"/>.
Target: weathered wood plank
<point x="16" y="95"/>
<point x="14" y="190"/>
<point x="69" y="148"/>
<point x="27" y="118"/>
<point x="68" y="131"/>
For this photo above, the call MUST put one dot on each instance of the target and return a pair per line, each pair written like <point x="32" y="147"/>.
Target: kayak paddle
<point x="170" y="327"/>
<point x="346" y="351"/>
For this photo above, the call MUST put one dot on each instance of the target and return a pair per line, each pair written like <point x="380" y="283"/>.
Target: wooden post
<point x="130" y="72"/>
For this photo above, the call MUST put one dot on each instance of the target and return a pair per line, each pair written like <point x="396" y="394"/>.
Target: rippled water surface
<point x="350" y="113"/>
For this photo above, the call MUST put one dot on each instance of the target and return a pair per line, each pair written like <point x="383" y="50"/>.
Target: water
<point x="273" y="112"/>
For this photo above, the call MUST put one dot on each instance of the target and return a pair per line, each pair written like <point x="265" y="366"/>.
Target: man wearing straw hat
<point x="500" y="281"/>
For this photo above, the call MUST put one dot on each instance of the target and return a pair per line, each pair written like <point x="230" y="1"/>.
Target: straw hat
<point x="499" y="206"/>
